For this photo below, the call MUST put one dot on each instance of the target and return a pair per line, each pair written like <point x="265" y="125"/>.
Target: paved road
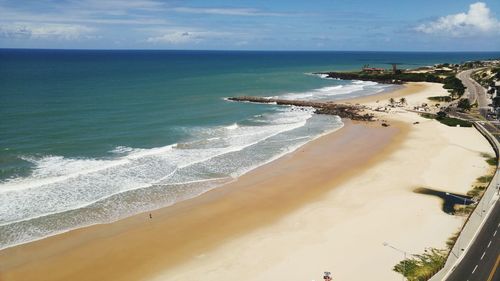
<point x="481" y="262"/>
<point x="475" y="91"/>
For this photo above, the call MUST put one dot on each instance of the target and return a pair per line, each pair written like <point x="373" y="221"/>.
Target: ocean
<point x="92" y="136"/>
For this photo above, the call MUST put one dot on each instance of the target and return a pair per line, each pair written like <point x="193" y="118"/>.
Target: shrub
<point x="440" y="98"/>
<point x="485" y="179"/>
<point x="422" y="267"/>
<point x="464" y="104"/>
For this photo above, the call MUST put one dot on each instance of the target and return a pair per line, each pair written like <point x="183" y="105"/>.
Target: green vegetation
<point x="451" y="241"/>
<point x="491" y="160"/>
<point x="440" y="115"/>
<point x="476" y="191"/>
<point x="464" y="104"/>
<point x="453" y="122"/>
<point x="448" y="121"/>
<point x="485" y="179"/>
<point x="496" y="72"/>
<point x="386" y="77"/>
<point x="440" y="98"/>
<point x="454" y="86"/>
<point x="487" y="77"/>
<point x="428" y="116"/>
<point x="422" y="267"/>
<point x="496" y="101"/>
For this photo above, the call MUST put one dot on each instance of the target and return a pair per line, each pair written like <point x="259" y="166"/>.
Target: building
<point x="497" y="88"/>
<point x="368" y="69"/>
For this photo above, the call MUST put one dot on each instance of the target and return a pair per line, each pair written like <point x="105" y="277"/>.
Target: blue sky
<point x="437" y="25"/>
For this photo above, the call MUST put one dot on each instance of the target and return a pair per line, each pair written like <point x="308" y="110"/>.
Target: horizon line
<point x="244" y="50"/>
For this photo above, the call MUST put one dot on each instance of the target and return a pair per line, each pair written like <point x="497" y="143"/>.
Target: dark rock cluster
<point x="353" y="112"/>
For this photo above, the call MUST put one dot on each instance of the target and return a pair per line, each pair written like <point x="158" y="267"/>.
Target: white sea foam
<point x="59" y="184"/>
<point x="232" y="126"/>
<point x="64" y="193"/>
<point x="354" y="88"/>
<point x="320" y="75"/>
<point x="122" y="149"/>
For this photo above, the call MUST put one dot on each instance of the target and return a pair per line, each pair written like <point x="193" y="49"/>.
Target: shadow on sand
<point x="449" y="200"/>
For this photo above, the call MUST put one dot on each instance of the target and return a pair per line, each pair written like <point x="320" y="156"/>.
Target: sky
<point x="370" y="25"/>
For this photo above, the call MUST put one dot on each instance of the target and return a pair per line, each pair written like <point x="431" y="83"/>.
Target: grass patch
<point x="440" y="98"/>
<point x="422" y="267"/>
<point x="485" y="179"/>
<point x="476" y="191"/>
<point x="491" y="160"/>
<point x="453" y="122"/>
<point x="448" y="121"/>
<point x="451" y="241"/>
<point x="428" y="116"/>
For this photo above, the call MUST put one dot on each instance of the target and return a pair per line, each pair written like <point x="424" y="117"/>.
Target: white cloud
<point x="45" y="31"/>
<point x="134" y="12"/>
<point x="477" y="20"/>
<point x="177" y="37"/>
<point x="185" y="36"/>
<point x="120" y="5"/>
<point x="225" y="11"/>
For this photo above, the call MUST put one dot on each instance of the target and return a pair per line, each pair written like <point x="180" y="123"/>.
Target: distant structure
<point x="495" y="97"/>
<point x="368" y="69"/>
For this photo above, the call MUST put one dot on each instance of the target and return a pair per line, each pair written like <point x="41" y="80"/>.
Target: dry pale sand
<point x="408" y="89"/>
<point x="327" y="207"/>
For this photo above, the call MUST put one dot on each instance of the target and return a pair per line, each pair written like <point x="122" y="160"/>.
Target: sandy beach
<point x="329" y="206"/>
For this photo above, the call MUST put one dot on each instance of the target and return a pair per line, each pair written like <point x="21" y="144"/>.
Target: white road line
<point x="474" y="269"/>
<point x="483" y="255"/>
<point x="489" y="244"/>
<point x="495" y="233"/>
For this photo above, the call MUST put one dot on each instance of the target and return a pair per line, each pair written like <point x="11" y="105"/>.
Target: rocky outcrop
<point x="384" y="77"/>
<point x="352" y="112"/>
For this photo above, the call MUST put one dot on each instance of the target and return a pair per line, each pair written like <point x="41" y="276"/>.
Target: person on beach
<point x="327" y="276"/>
<point x="150" y="216"/>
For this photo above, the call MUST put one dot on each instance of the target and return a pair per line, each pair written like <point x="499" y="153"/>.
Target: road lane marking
<point x="483" y="255"/>
<point x="489" y="244"/>
<point x="495" y="233"/>
<point x="492" y="273"/>
<point x="474" y="269"/>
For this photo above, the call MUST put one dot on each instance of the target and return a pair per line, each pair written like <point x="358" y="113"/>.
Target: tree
<point x="454" y="85"/>
<point x="460" y="91"/>
<point x="464" y="104"/>
<point x="441" y="115"/>
<point x="402" y="101"/>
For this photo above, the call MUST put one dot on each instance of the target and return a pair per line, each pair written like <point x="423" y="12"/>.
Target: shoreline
<point x="76" y="240"/>
<point x="346" y="100"/>
<point x="228" y="181"/>
<point x="158" y="246"/>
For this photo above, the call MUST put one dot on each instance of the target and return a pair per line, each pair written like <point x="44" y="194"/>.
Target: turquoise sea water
<point x="93" y="136"/>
